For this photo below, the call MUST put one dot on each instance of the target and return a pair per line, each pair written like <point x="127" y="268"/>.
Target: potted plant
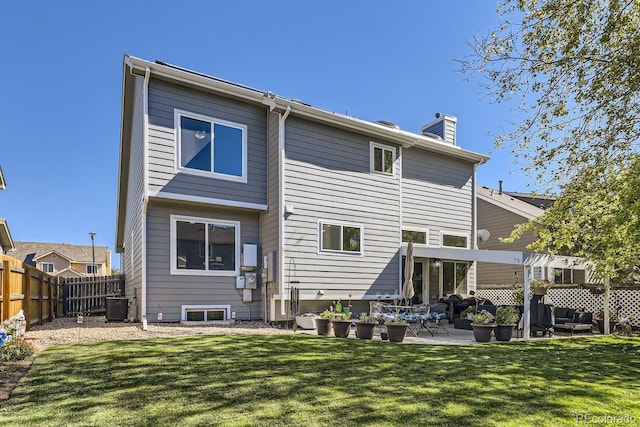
<point x="464" y="322"/>
<point x="341" y="323"/>
<point x="507" y="318"/>
<point x="540" y="286"/>
<point x="396" y="329"/>
<point x="365" y="326"/>
<point x="323" y="323"/>
<point x="483" y="326"/>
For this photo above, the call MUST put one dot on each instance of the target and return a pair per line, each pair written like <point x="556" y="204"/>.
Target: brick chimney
<point x="443" y="126"/>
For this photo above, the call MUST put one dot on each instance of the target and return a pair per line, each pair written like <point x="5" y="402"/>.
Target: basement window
<point x="206" y="313"/>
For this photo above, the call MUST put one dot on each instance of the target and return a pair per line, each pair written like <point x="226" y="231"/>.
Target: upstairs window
<point x="340" y="238"/>
<point x="382" y="158"/>
<point x="455" y="241"/>
<point x="47" y="267"/>
<point x="208" y="146"/>
<point x="92" y="269"/>
<point x="417" y="237"/>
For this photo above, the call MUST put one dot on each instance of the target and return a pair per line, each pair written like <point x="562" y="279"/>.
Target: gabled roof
<point x="133" y="67"/>
<point x="30" y="252"/>
<point x="51" y="253"/>
<point x="6" y="242"/>
<point x="508" y="202"/>
<point x="62" y="273"/>
<point x="3" y="183"/>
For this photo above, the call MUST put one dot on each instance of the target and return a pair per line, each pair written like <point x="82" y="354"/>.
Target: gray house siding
<point x="166" y="292"/>
<point x="327" y="178"/>
<point x="164" y="98"/>
<point x="436" y="194"/>
<point x="500" y="223"/>
<point x="132" y="257"/>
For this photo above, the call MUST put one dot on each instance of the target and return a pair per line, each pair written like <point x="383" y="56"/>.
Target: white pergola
<point x="526" y="259"/>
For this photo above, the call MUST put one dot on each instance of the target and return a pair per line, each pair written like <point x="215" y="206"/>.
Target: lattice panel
<point x="622" y="302"/>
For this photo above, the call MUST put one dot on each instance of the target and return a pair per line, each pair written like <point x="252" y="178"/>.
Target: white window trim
<point x="53" y="267"/>
<point x="454" y="233"/>
<point x="420" y="230"/>
<point x="173" y="247"/>
<point x="391" y="148"/>
<point x="89" y="265"/>
<point x="185" y="308"/>
<point x="176" y="127"/>
<point x="321" y="251"/>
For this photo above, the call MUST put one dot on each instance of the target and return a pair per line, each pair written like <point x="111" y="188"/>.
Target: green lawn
<point x="306" y="380"/>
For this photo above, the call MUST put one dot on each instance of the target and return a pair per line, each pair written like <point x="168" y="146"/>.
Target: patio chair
<point x="437" y="312"/>
<point x="417" y="317"/>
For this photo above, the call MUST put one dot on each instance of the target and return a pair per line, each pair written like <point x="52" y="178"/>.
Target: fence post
<point x="26" y="287"/>
<point x="6" y="289"/>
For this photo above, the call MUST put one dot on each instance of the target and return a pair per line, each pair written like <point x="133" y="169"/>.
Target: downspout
<point x="400" y="276"/>
<point x="474" y="226"/>
<point x="145" y="194"/>
<point x="281" y="156"/>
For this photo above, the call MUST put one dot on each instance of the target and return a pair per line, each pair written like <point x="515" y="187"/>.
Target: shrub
<point x="15" y="349"/>
<point x="507" y="315"/>
<point x="482" y="318"/>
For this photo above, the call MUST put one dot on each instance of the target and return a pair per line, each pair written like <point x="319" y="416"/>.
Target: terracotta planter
<point x="323" y="326"/>
<point x="396" y="331"/>
<point x="504" y="332"/>
<point x="364" y="330"/>
<point x="341" y="328"/>
<point x="482" y="333"/>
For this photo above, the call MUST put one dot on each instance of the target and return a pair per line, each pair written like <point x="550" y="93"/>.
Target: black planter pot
<point x="462" y="324"/>
<point x="482" y="333"/>
<point x="323" y="326"/>
<point x="396" y="332"/>
<point x="341" y="328"/>
<point x="504" y="332"/>
<point x="364" y="330"/>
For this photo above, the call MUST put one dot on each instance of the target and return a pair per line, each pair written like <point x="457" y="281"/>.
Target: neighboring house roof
<point x="6" y="242"/>
<point x="133" y="67"/>
<point x="3" y="183"/>
<point x="30" y="252"/>
<point x="540" y="201"/>
<point x="508" y="202"/>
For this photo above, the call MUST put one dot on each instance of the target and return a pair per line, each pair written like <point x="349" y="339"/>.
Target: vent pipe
<point x="500" y="187"/>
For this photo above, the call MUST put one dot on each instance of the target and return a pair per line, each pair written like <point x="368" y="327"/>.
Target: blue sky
<point x="61" y="83"/>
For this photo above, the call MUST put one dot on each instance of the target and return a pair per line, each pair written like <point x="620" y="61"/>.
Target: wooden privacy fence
<point x="88" y="295"/>
<point x="26" y="288"/>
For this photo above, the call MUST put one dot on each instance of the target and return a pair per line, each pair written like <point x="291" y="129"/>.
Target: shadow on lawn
<point x="314" y="380"/>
